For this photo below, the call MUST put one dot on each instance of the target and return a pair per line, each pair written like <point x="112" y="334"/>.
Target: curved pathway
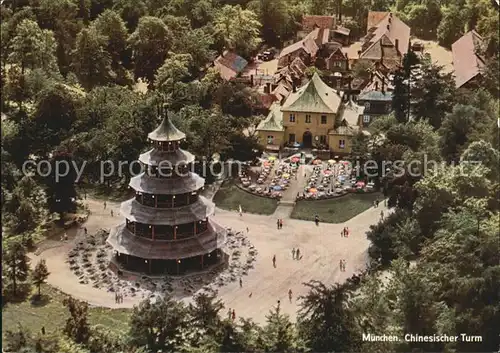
<point x="321" y="247"/>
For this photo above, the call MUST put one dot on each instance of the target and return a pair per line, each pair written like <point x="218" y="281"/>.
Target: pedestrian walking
<point x="111" y="213"/>
<point x="281" y="223"/>
<point x="241" y="283"/>
<point x="297" y="254"/>
<point x="104" y="204"/>
<point x="278" y="223"/>
<point x="381" y="214"/>
<point x="241" y="211"/>
<point x="347" y="232"/>
<point x="229" y="312"/>
<point x="233" y="315"/>
<point x="85" y="230"/>
<point x="343" y="265"/>
<point x="43" y="330"/>
<point x="385" y="202"/>
<point x="247" y="230"/>
<point x="377" y="202"/>
<point x="293" y="253"/>
<point x="65" y="236"/>
<point x="290" y="295"/>
<point x="116" y="298"/>
<point x="274" y="261"/>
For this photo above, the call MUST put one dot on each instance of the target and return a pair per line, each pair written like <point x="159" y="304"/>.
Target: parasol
<point x="313" y="190"/>
<point x="327" y="172"/>
<point x="331" y="161"/>
<point x="277" y="188"/>
<point x="295" y="159"/>
<point x="317" y="161"/>
<point x="360" y="183"/>
<point x="272" y="158"/>
<point x="286" y="175"/>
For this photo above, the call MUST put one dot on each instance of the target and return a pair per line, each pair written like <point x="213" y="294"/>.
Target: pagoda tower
<point x="167" y="228"/>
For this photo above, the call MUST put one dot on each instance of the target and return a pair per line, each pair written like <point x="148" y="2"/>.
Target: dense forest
<point x="82" y="81"/>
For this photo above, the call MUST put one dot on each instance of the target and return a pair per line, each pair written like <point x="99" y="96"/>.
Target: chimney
<point x="294" y="87"/>
<point x="397" y="45"/>
<point x="371" y="75"/>
<point x="283" y="100"/>
<point x="267" y="88"/>
<point x="251" y="80"/>
<point x="376" y="85"/>
<point x="383" y="84"/>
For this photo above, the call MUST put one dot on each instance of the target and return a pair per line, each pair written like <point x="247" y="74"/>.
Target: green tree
<point x="131" y="11"/>
<point x="159" y="325"/>
<point x="326" y="320"/>
<point x="59" y="16"/>
<point x="433" y="95"/>
<point x="40" y="275"/>
<point x="16" y="264"/>
<point x="277" y="19"/>
<point x="457" y="129"/>
<point x="483" y="152"/>
<point x="150" y="43"/>
<point x="239" y="29"/>
<point x="197" y="43"/>
<point x="110" y="25"/>
<point x="91" y="60"/>
<point x="451" y="26"/>
<point x="279" y="334"/>
<point x="77" y="327"/>
<point x="26" y="207"/>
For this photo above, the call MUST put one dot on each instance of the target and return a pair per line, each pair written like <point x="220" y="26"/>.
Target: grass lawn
<point x="229" y="197"/>
<point x="336" y="210"/>
<point x="52" y="314"/>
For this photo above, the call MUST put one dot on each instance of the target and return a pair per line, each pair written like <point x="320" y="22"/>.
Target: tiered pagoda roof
<point x="168" y="204"/>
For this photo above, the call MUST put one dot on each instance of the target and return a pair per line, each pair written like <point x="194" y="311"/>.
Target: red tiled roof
<point x="392" y="28"/>
<point x="374" y="18"/>
<point x="466" y="63"/>
<point x="309" y="22"/>
<point x="308" y="44"/>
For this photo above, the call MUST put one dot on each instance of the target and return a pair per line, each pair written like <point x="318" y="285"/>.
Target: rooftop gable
<point x="230" y="64"/>
<point x="273" y="121"/>
<point x="389" y="29"/>
<point x="314" y="97"/>
<point x="466" y="61"/>
<point x="309" y="22"/>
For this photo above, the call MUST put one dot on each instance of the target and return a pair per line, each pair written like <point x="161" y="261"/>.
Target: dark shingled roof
<point x="166" y="132"/>
<point x="123" y="241"/>
<point x="154" y="157"/>
<point x="135" y="212"/>
<point x="167" y="186"/>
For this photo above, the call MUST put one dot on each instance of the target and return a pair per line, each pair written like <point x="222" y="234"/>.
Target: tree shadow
<point x="39" y="301"/>
<point x="22" y="293"/>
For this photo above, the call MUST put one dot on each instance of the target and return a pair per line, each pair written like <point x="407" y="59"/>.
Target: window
<point x="308" y="119"/>
<point x="338" y="63"/>
<point x="366" y="118"/>
<point x="367" y="105"/>
<point x="323" y="119"/>
<point x="342" y="144"/>
<point x="292" y="118"/>
<point x="270" y="139"/>
<point x="291" y="138"/>
<point x="322" y="139"/>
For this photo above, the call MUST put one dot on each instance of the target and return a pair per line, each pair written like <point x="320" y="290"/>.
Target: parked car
<point x="267" y="55"/>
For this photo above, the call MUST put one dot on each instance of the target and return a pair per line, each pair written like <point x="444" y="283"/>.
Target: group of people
<point x="342" y="265"/>
<point x="118" y="298"/>
<point x="345" y="232"/>
<point x="296" y="254"/>
<point x="279" y="223"/>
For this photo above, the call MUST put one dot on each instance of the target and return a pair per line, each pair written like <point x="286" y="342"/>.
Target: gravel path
<point x="321" y="247"/>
